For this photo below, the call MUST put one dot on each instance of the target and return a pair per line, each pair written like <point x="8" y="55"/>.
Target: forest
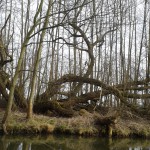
<point x="58" y="57"/>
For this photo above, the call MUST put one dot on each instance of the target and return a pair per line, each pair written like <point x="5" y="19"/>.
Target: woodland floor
<point x="128" y="125"/>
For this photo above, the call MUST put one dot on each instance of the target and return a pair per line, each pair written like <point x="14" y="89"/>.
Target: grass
<point x="132" y="127"/>
<point x="39" y="124"/>
<point x="79" y="125"/>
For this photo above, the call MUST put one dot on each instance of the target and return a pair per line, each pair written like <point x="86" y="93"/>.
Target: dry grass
<point x="132" y="127"/>
<point x="39" y="124"/>
<point x="80" y="125"/>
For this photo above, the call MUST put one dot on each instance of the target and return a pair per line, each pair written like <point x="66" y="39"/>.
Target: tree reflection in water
<point x="70" y="143"/>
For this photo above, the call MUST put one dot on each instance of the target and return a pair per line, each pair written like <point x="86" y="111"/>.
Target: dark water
<point x="70" y="143"/>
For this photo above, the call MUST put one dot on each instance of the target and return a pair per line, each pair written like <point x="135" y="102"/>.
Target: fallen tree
<point x="60" y="106"/>
<point x="65" y="103"/>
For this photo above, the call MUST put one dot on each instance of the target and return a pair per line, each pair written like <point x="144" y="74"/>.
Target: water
<point x="70" y="143"/>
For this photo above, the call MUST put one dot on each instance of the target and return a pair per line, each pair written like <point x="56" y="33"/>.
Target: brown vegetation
<point x="86" y="124"/>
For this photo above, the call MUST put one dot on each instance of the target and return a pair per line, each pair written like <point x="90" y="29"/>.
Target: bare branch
<point x="5" y="24"/>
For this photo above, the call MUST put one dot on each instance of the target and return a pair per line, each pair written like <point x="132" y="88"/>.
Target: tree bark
<point x="54" y="106"/>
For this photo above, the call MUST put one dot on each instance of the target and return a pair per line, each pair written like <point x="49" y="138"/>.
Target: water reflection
<point x="70" y="143"/>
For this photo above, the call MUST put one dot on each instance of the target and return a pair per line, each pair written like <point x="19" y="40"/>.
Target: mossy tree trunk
<point x="38" y="56"/>
<point x="15" y="78"/>
<point x="53" y="106"/>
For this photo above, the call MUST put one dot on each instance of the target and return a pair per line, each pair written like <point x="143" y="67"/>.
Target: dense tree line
<point x="62" y="55"/>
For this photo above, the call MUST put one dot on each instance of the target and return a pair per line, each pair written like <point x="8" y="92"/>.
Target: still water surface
<point x="70" y="143"/>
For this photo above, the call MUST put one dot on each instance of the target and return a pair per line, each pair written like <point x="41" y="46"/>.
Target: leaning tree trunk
<point x="15" y="78"/>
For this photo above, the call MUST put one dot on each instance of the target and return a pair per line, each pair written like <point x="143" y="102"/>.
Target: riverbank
<point x="128" y="125"/>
